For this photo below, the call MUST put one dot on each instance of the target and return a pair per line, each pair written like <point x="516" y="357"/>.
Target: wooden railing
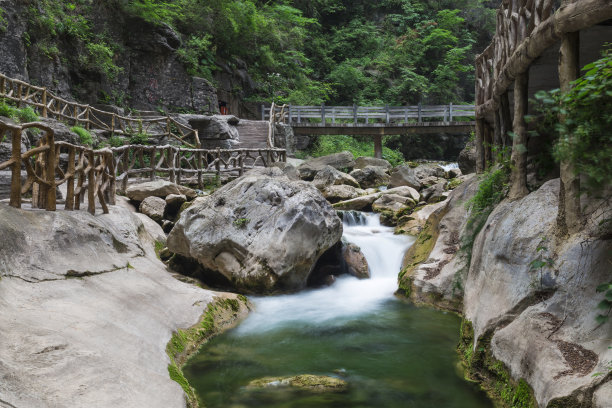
<point x="274" y="119"/>
<point x="85" y="171"/>
<point x="49" y="105"/>
<point x="95" y="173"/>
<point x="364" y="115"/>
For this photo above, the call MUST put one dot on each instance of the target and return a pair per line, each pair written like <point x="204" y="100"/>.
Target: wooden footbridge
<point x="375" y="121"/>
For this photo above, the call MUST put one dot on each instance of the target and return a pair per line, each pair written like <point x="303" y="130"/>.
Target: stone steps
<point x="253" y="134"/>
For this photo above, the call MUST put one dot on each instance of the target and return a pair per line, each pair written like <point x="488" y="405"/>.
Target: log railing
<point x="85" y="171"/>
<point x="49" y="105"/>
<point x="95" y="173"/>
<point x="365" y="115"/>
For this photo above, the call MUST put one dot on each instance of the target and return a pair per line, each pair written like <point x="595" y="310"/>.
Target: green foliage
<point x="359" y="146"/>
<point x="115" y="141"/>
<point x="23" y="115"/>
<point x="198" y="55"/>
<point x="241" y="222"/>
<point x="84" y="135"/>
<point x="583" y="136"/>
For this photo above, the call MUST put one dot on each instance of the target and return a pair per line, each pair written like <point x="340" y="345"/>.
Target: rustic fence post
<point x="44" y="102"/>
<point x="218" y="162"/>
<point x="50" y="173"/>
<point x="70" y="180"/>
<point x="19" y="91"/>
<point x="87" y="120"/>
<point x="152" y="160"/>
<point x="15" y="200"/>
<point x="112" y="171"/>
<point x="199" y="165"/>
<point x="91" y="183"/>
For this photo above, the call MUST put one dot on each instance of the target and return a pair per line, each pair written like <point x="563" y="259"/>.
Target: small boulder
<point x="363" y="203"/>
<point x="364" y="161"/>
<point x="333" y="194"/>
<point x="404" y="175"/>
<point x="356" y="263"/>
<point x="371" y="176"/>
<point x="344" y="161"/>
<point x="158" y="188"/>
<point x="404" y="191"/>
<point x="329" y="176"/>
<point x="435" y="193"/>
<point x="174" y="202"/>
<point x="308" y="382"/>
<point x="393" y="203"/>
<point x="426" y="170"/>
<point x="467" y="158"/>
<point x="154" y="208"/>
<point x="454" y="173"/>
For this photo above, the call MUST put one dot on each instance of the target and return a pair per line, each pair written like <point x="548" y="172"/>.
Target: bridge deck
<point x="382" y="129"/>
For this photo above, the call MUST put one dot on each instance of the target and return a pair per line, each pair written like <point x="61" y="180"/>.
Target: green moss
<point x="454" y="183"/>
<point x="185" y="342"/>
<point x="84" y="135"/>
<point x="159" y="246"/>
<point x="494" y="378"/>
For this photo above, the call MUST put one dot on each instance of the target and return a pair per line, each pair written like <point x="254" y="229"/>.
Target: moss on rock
<point x="315" y="383"/>
<point x="221" y="314"/>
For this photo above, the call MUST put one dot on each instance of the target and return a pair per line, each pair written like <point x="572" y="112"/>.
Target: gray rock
<point x="454" y="173"/>
<point x="393" y="203"/>
<point x="364" y="161"/>
<point x="262" y="231"/>
<point x="333" y="194"/>
<point x="153" y="207"/>
<point x="404" y="175"/>
<point x="289" y="170"/>
<point x="363" y="203"/>
<point x="343" y="161"/>
<point x="158" y="188"/>
<point x="56" y="329"/>
<point x="371" y="176"/>
<point x="329" y="176"/>
<point x="404" y="191"/>
<point x="435" y="193"/>
<point x="426" y="170"/>
<point x="467" y="158"/>
<point x="356" y="263"/>
<point x="214" y="131"/>
<point x="174" y="202"/>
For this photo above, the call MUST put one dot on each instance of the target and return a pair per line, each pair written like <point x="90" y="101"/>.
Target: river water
<point x="390" y="353"/>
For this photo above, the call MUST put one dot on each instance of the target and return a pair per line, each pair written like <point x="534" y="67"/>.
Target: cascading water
<point x="390" y="353"/>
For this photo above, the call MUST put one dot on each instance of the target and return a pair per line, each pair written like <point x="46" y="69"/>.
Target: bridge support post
<point x="479" y="134"/>
<point x="518" y="177"/>
<point x="378" y="146"/>
<point x="569" y="218"/>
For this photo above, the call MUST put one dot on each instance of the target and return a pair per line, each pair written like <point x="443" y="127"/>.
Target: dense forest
<point x="302" y="52"/>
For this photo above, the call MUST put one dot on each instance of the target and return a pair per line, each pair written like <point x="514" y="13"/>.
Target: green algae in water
<point x="397" y="356"/>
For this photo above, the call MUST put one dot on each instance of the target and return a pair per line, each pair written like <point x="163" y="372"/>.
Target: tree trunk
<point x="518" y="178"/>
<point x="569" y="217"/>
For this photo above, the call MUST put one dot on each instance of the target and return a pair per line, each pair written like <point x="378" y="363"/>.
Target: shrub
<point x="358" y="146"/>
<point x="23" y="115"/>
<point x="84" y="135"/>
<point x="139" y="138"/>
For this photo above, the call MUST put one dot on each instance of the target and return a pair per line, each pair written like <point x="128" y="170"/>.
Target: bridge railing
<point x="50" y="105"/>
<point x="95" y="173"/>
<point x="364" y="115"/>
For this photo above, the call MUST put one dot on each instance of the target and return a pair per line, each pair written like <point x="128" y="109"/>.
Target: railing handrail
<point x="295" y="113"/>
<point x="50" y="105"/>
<point x="97" y="171"/>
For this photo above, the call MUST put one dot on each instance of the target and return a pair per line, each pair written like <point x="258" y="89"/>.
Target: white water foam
<point x="347" y="297"/>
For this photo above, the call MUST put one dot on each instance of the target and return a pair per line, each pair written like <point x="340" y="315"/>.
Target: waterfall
<point x="348" y="297"/>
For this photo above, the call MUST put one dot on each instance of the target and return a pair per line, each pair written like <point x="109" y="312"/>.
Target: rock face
<point x="87" y="311"/>
<point x="467" y="158"/>
<point x="344" y="161"/>
<point x="529" y="294"/>
<point x="329" y="176"/>
<point x="371" y="176"/>
<point x="262" y="231"/>
<point x="157" y="188"/>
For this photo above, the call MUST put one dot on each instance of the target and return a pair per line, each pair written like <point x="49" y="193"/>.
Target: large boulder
<point x="329" y="176"/>
<point x="157" y="188"/>
<point x="427" y="170"/>
<point x="404" y="175"/>
<point x="404" y="191"/>
<point x="467" y="158"/>
<point x="215" y="131"/>
<point x="364" y="161"/>
<point x="344" y="161"/>
<point x="393" y="203"/>
<point x="371" y="176"/>
<point x="263" y="231"/>
<point x="435" y="193"/>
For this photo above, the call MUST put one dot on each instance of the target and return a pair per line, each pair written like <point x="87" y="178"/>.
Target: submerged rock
<point x="356" y="262"/>
<point x="315" y="383"/>
<point x="263" y="231"/>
